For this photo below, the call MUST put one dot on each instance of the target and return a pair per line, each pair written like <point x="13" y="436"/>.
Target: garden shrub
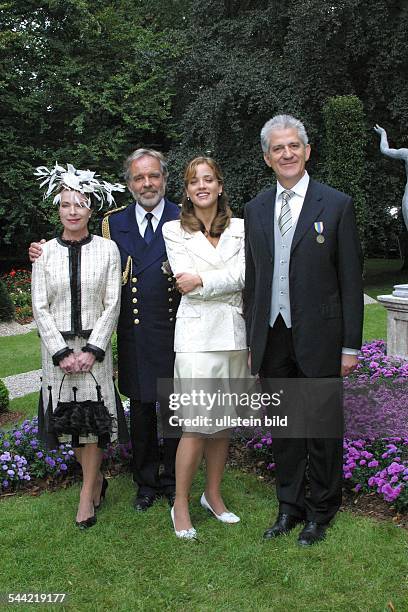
<point x="6" y="304"/>
<point x="4" y="397"/>
<point x="344" y="149"/>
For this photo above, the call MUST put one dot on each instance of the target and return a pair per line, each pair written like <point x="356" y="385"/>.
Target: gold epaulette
<point x="128" y="268"/>
<point x="105" y="221"/>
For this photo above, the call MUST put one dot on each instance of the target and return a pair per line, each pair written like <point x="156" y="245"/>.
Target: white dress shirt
<point x="141" y="220"/>
<point x="296" y="203"/>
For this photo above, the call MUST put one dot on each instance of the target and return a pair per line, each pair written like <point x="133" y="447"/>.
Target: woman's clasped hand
<point x="77" y="362"/>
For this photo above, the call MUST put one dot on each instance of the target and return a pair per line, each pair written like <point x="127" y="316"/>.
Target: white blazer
<point x="209" y="318"/>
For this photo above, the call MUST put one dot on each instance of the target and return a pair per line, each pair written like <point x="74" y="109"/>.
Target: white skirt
<point x="209" y="411"/>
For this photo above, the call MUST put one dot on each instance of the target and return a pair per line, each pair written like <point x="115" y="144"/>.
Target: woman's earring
<point x="220" y="194"/>
<point x="188" y="198"/>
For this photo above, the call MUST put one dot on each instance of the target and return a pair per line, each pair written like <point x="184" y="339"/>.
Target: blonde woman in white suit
<point x="205" y="249"/>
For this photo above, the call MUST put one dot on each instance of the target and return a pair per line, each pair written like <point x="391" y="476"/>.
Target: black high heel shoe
<point x="103" y="492"/>
<point x="89" y="522"/>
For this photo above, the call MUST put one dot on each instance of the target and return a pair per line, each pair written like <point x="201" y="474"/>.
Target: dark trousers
<point x="322" y="458"/>
<point x="146" y="456"/>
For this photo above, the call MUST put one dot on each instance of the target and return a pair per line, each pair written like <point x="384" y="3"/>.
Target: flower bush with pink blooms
<point x="376" y="427"/>
<point x="18" y="283"/>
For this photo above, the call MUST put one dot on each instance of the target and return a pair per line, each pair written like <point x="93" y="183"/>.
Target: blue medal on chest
<point x="319" y="229"/>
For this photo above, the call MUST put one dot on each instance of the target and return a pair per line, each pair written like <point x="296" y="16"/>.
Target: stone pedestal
<point x="400" y="291"/>
<point x="397" y="323"/>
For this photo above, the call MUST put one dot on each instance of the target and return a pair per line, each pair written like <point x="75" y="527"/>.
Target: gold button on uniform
<point x="137" y="321"/>
<point x="135" y="311"/>
<point x="170" y="299"/>
<point x="171" y="319"/>
<point x="170" y="310"/>
<point x="134" y="279"/>
<point x="134" y="300"/>
<point x="169" y="289"/>
<point x="134" y="289"/>
<point x="169" y="278"/>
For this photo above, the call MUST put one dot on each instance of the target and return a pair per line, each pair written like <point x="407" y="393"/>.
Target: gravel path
<point x="14" y="329"/>
<point x="22" y="384"/>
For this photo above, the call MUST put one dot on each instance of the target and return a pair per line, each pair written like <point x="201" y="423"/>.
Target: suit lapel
<point x="311" y="209"/>
<point x="266" y="212"/>
<point x="130" y="239"/>
<point x="229" y="244"/>
<point x="198" y="244"/>
<point x="227" y="247"/>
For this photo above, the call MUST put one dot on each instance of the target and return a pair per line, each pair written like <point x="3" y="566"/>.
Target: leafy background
<point x="87" y="82"/>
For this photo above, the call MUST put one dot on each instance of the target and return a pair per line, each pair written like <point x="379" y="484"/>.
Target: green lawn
<point x="381" y="275"/>
<point x="134" y="562"/>
<point x="375" y="322"/>
<point x="19" y="354"/>
<point x="27" y="404"/>
<point x="130" y="561"/>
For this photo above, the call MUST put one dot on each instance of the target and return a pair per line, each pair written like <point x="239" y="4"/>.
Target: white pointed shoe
<point x="184" y="534"/>
<point x="225" y="517"/>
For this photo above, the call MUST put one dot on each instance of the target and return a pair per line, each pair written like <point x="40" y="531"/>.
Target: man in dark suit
<point x="147" y="318"/>
<point x="304" y="310"/>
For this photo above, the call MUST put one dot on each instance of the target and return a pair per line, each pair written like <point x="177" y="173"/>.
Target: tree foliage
<point x="89" y="81"/>
<point x="261" y="58"/>
<point x="83" y="82"/>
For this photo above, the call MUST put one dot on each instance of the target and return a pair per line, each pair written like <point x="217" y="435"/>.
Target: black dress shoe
<point x="284" y="524"/>
<point x="143" y="502"/>
<point x="89" y="522"/>
<point x="311" y="533"/>
<point x="171" y="498"/>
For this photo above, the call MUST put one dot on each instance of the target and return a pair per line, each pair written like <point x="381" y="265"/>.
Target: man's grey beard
<point x="148" y="203"/>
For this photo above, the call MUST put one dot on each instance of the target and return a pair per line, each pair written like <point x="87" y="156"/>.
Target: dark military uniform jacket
<point x="149" y="304"/>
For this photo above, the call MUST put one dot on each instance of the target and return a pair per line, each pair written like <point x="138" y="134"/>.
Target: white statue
<point x="396" y="154"/>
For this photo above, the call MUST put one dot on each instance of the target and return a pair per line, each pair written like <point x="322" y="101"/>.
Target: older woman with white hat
<point x="76" y="287"/>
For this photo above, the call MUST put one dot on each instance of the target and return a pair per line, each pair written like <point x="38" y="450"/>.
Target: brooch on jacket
<point x="166" y="269"/>
<point x="168" y="272"/>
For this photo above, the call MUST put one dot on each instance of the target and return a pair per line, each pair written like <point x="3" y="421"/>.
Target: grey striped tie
<point x="285" y="217"/>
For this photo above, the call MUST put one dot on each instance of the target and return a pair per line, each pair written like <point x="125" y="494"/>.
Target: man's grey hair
<point x="141" y="153"/>
<point x="282" y="122"/>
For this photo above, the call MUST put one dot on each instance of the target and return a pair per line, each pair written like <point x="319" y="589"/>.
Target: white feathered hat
<point x="83" y="181"/>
